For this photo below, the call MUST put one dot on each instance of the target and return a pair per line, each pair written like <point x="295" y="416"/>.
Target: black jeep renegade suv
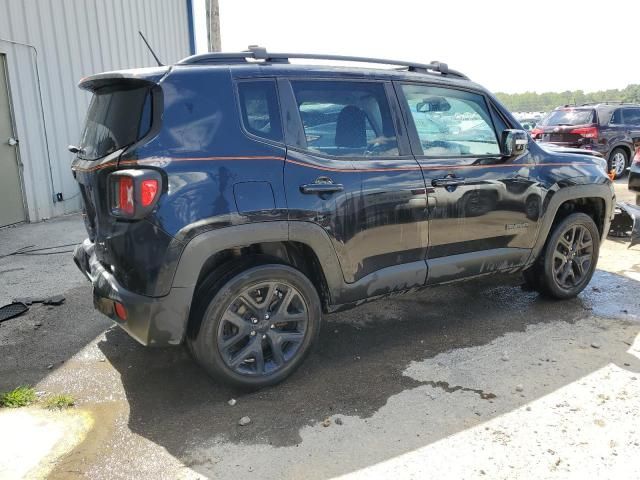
<point x="232" y="199"/>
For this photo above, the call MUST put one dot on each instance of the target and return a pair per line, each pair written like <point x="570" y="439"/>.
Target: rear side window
<point x="260" y="110"/>
<point x="616" y="118"/>
<point x="631" y="116"/>
<point x="117" y="117"/>
<point x="451" y="123"/>
<point x="346" y="119"/>
<point x="569" y="116"/>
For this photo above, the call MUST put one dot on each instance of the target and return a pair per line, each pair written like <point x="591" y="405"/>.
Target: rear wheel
<point x="618" y="161"/>
<point x="257" y="325"/>
<point x="568" y="260"/>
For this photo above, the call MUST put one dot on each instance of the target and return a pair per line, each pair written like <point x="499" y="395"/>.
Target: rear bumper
<point x="157" y="321"/>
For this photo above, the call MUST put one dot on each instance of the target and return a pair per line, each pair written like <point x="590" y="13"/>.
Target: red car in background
<point x="607" y="128"/>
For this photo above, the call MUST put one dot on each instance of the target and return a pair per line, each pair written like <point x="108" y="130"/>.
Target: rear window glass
<point x="569" y="116"/>
<point x="117" y="117"/>
<point x="260" y="109"/>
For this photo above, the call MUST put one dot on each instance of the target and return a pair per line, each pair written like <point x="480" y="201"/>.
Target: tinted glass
<point x="569" y="116"/>
<point x="616" y="118"/>
<point x="631" y="116"/>
<point x="346" y="119"/>
<point x="260" y="109"/>
<point x="117" y="117"/>
<point x="451" y="123"/>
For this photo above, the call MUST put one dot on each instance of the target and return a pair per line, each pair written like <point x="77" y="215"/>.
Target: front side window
<point x="259" y="109"/>
<point x="451" y="123"/>
<point x="632" y="116"/>
<point x="346" y="119"/>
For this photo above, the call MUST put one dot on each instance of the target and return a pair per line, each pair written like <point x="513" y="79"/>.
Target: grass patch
<point x="18" y="397"/>
<point x="59" y="402"/>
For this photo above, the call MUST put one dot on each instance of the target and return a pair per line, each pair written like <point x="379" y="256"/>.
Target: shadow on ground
<point x="358" y="364"/>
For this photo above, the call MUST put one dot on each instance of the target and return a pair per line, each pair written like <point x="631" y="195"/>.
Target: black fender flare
<point x="558" y="195"/>
<point x="202" y="246"/>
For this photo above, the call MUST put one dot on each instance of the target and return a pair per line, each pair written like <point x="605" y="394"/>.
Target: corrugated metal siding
<point x="72" y="39"/>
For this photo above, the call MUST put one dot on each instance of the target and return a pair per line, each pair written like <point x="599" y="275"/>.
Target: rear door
<point x="484" y="207"/>
<point x="119" y="115"/>
<point x="351" y="171"/>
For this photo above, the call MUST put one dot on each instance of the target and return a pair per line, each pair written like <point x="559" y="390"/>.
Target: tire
<point x="572" y="243"/>
<point x="618" y="162"/>
<point x="243" y="314"/>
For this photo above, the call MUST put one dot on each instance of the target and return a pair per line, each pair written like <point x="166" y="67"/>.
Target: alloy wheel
<point x="573" y="256"/>
<point x="263" y="328"/>
<point x="618" y="163"/>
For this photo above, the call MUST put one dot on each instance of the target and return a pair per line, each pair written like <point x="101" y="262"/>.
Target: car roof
<point x="600" y="105"/>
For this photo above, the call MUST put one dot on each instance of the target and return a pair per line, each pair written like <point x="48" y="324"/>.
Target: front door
<point x="11" y="205"/>
<point x="484" y="208"/>
<point x="354" y="175"/>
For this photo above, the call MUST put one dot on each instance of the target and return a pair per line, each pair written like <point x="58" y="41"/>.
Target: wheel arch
<point x="298" y="244"/>
<point x="623" y="146"/>
<point x="595" y="200"/>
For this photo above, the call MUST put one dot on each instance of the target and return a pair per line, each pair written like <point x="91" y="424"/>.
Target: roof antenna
<point x="160" y="64"/>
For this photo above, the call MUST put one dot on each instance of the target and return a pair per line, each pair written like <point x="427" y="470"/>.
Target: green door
<point x="11" y="205"/>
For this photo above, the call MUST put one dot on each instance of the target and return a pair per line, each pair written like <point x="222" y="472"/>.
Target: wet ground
<point x="476" y="380"/>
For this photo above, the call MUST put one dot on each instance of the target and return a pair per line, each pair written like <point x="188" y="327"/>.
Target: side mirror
<point x="514" y="142"/>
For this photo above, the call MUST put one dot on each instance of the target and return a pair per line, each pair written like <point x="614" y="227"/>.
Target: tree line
<point x="543" y="102"/>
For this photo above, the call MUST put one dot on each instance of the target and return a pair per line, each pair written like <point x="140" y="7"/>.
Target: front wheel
<point x="257" y="325"/>
<point x="569" y="258"/>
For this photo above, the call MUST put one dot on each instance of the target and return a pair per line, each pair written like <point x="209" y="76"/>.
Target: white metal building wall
<point x="49" y="46"/>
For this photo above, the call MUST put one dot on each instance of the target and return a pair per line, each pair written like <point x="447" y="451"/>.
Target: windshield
<point x="569" y="116"/>
<point x="117" y="117"/>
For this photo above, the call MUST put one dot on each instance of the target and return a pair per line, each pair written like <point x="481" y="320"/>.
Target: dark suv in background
<point x="608" y="128"/>
<point x="233" y="198"/>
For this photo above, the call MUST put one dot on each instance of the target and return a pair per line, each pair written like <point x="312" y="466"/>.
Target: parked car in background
<point x="608" y="128"/>
<point x="528" y="124"/>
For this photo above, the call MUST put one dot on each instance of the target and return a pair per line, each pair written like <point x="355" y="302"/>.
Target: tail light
<point x="134" y="193"/>
<point x="636" y="157"/>
<point x="586" y="132"/>
<point x="536" y="133"/>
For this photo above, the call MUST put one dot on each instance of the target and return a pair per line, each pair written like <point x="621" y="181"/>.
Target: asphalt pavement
<point x="481" y="379"/>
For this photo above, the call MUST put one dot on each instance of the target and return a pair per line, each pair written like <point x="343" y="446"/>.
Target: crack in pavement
<point x="447" y="388"/>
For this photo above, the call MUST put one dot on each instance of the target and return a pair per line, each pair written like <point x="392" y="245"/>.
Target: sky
<point x="507" y="46"/>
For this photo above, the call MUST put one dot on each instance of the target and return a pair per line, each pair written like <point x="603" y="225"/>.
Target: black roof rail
<point x="260" y="53"/>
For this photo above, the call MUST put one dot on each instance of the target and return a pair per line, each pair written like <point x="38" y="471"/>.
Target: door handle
<point x="12" y="141"/>
<point x="447" y="182"/>
<point x="321" y="185"/>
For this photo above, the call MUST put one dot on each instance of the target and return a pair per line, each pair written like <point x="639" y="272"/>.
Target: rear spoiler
<point x="133" y="77"/>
